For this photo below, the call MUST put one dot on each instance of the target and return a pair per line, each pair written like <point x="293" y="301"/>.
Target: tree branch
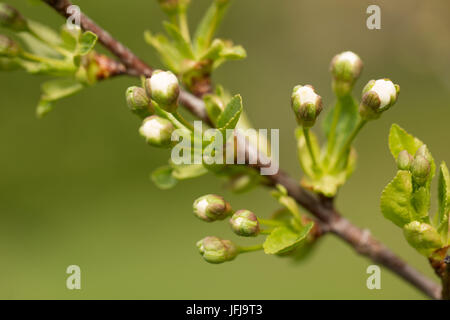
<point x="322" y="208"/>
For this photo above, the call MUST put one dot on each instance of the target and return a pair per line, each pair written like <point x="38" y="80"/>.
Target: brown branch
<point x="322" y="208"/>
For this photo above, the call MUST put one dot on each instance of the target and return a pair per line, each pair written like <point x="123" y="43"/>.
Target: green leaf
<point x="396" y="199"/>
<point x="181" y="44"/>
<point x="444" y="200"/>
<point x="167" y="52"/>
<point x="423" y="237"/>
<point x="86" y="43"/>
<point x="208" y="25"/>
<point x="69" y="38"/>
<point x="212" y="107"/>
<point x="230" y="116"/>
<point x="43" y="108"/>
<point x="45" y="33"/>
<point x="188" y="171"/>
<point x="60" y="88"/>
<point x="38" y="47"/>
<point x="163" y="178"/>
<point x="400" y="140"/>
<point x="283" y="239"/>
<point x="289" y="203"/>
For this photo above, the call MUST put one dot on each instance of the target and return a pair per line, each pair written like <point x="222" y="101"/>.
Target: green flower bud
<point x="12" y="19"/>
<point x="345" y="68"/>
<point x="245" y="223"/>
<point x="172" y="7"/>
<point x="211" y="208"/>
<point x="378" y="96"/>
<point x="420" y="169"/>
<point x="157" y="131"/>
<point x="215" y="250"/>
<point x="8" y="47"/>
<point x="422" y="237"/>
<point x="163" y="87"/>
<point x="306" y="104"/>
<point x="404" y="160"/>
<point x="138" y="102"/>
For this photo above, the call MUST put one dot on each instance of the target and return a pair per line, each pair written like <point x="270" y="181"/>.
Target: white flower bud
<point x="164" y="89"/>
<point x="345" y="68"/>
<point x="157" y="131"/>
<point x="378" y="96"/>
<point x="306" y="104"/>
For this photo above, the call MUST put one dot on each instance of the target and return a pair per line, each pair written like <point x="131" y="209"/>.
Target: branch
<point x="322" y="208"/>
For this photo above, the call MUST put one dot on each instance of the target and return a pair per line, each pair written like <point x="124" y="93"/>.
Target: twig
<point x="321" y="208"/>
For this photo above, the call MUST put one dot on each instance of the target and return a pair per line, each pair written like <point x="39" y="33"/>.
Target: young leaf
<point x="167" y="52"/>
<point x="43" y="108"/>
<point x="444" y="200"/>
<point x="60" y="88"/>
<point x="400" y="140"/>
<point x="283" y="240"/>
<point x="188" y="171"/>
<point x="163" y="178"/>
<point x="396" y="199"/>
<point x="230" y="116"/>
<point x="183" y="46"/>
<point x="423" y="237"/>
<point x="86" y="43"/>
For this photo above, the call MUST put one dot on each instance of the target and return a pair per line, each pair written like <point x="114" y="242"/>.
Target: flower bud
<point x="138" y="102"/>
<point x="420" y="169"/>
<point x="245" y="223"/>
<point x="345" y="68"/>
<point x="422" y="237"/>
<point x="211" y="208"/>
<point x="12" y="19"/>
<point x="378" y="96"/>
<point x="306" y="104"/>
<point x="8" y="47"/>
<point x="163" y="87"/>
<point x="404" y="160"/>
<point x="157" y="131"/>
<point x="215" y="250"/>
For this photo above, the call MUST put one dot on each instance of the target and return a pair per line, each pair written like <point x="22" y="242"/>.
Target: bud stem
<point x="250" y="248"/>
<point x="309" y="146"/>
<point x="346" y="148"/>
<point x="183" y="121"/>
<point x="270" y="223"/>
<point x="184" y="26"/>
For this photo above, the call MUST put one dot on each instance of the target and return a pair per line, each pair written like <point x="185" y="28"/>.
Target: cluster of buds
<point x="307" y="105"/>
<point x="211" y="208"/>
<point x="215" y="250"/>
<point x="378" y="96"/>
<point x="346" y="68"/>
<point x="12" y="19"/>
<point x="419" y="165"/>
<point x="161" y="89"/>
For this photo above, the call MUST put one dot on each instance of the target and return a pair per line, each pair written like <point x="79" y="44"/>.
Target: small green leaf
<point x="86" y="43"/>
<point x="43" y="108"/>
<point x="423" y="237"/>
<point x="230" y="116"/>
<point x="396" y="199"/>
<point x="444" y="200"/>
<point x="283" y="240"/>
<point x="163" y="178"/>
<point x="188" y="171"/>
<point x="212" y="107"/>
<point x="400" y="140"/>
<point x="180" y="42"/>
<point x="167" y="52"/>
<point x="60" y="88"/>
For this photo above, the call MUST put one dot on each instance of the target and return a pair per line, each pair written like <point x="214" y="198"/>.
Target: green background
<point x="74" y="187"/>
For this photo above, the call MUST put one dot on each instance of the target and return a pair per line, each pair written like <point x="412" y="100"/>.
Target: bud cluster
<point x="419" y="165"/>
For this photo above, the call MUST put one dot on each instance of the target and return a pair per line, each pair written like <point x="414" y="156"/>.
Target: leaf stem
<point x="345" y="149"/>
<point x="251" y="248"/>
<point x="310" y="149"/>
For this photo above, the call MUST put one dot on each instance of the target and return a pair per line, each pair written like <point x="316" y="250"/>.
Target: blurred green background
<point x="74" y="187"/>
